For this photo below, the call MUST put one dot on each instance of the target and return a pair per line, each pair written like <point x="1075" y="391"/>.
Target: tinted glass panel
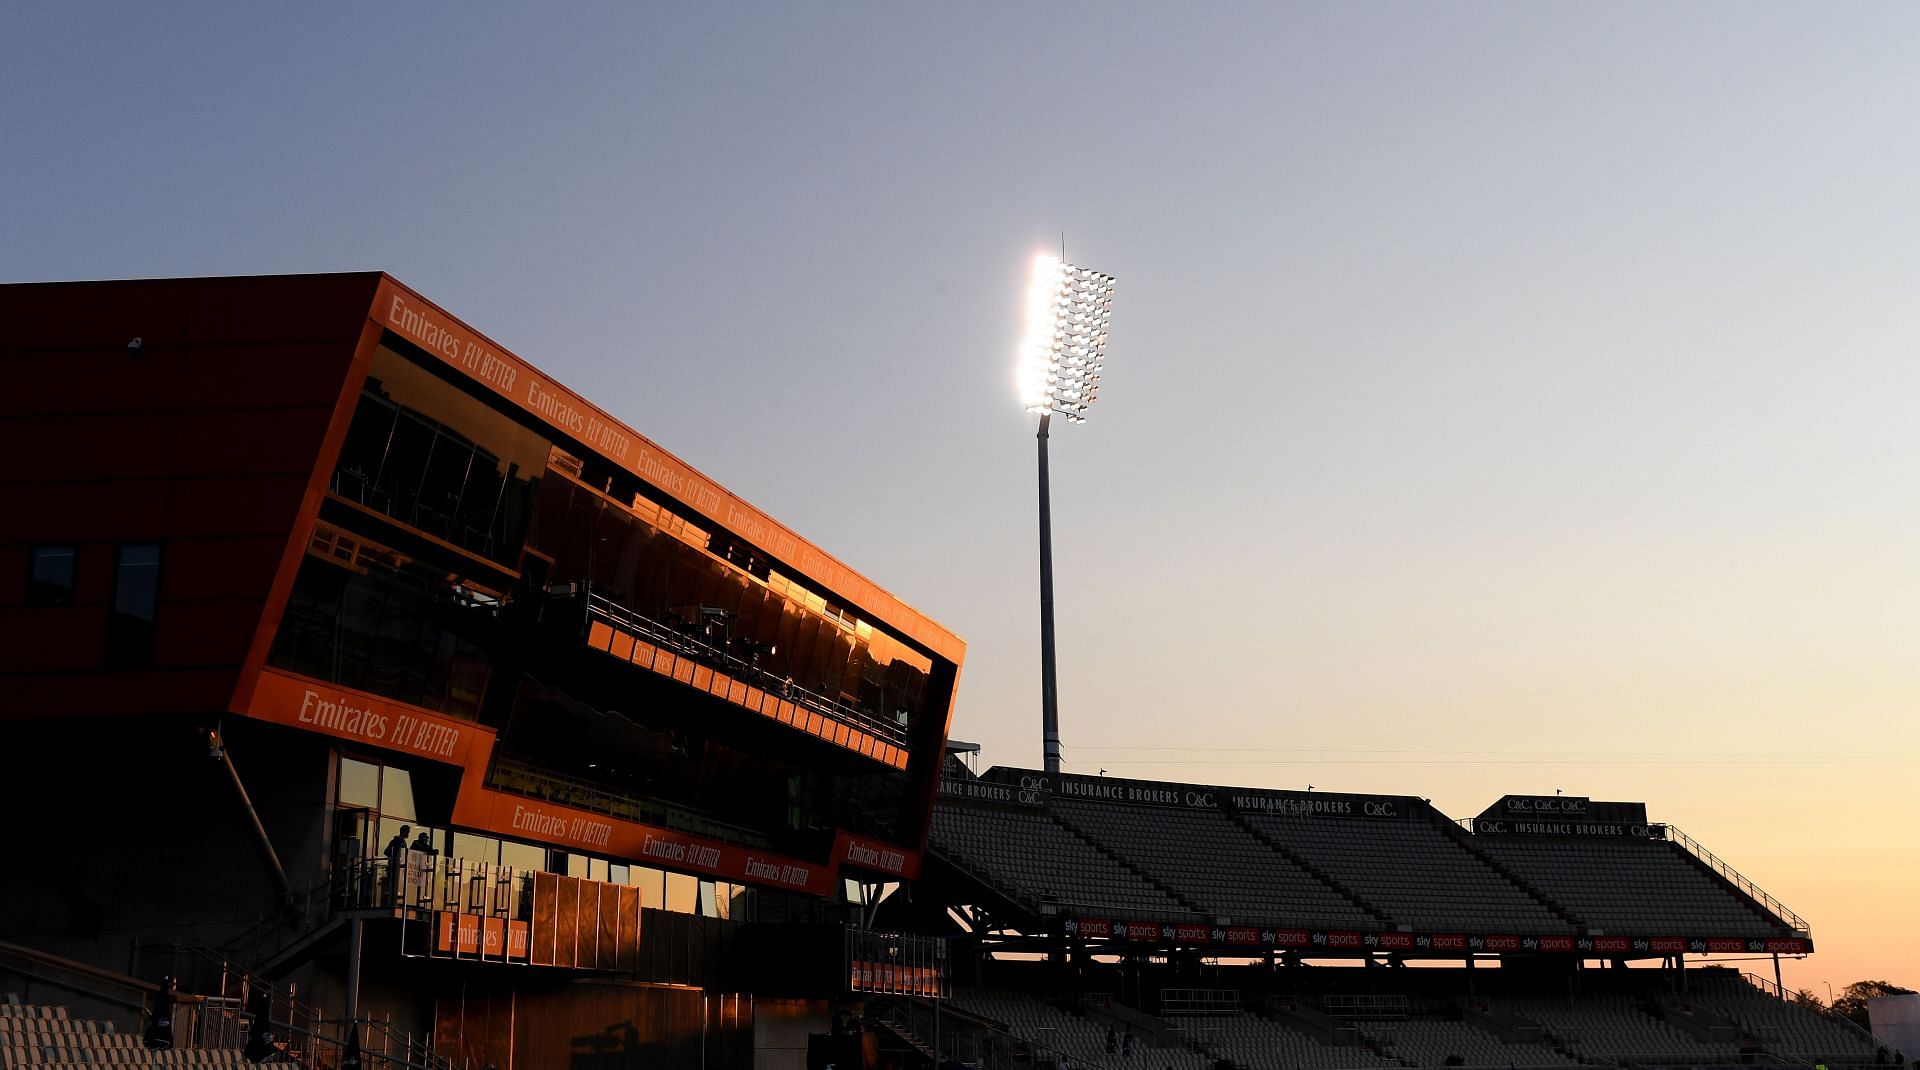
<point x="523" y="857"/>
<point x="359" y="784"/>
<point x="785" y="637"/>
<point x="137" y="582"/>
<point x="476" y="848"/>
<point x="396" y="794"/>
<point x="434" y="457"/>
<point x="398" y="628"/>
<point x="681" y="893"/>
<point x="136" y="594"/>
<point x="50" y="583"/>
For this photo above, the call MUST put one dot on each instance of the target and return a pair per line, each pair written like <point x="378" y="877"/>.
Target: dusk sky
<point x="1501" y="398"/>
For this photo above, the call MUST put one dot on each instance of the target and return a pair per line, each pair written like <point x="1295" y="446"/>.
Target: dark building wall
<point x="204" y="440"/>
<point x="119" y="850"/>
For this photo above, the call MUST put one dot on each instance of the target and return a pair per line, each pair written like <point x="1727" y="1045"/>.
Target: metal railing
<point x="713" y="657"/>
<point x="1778" y="992"/>
<point x="421" y="880"/>
<point x="1369" y="1008"/>
<point x="1739" y="880"/>
<point x="987" y="875"/>
<point x="304" y="909"/>
<point x="226" y="1018"/>
<point x="896" y="964"/>
<point x="1197" y="1001"/>
<point x="974" y="1040"/>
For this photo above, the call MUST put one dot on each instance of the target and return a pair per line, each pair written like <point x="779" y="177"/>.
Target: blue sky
<point x="1501" y="397"/>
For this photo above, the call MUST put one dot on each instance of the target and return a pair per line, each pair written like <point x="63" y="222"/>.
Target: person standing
<point x="159" y="1036"/>
<point x="396" y="853"/>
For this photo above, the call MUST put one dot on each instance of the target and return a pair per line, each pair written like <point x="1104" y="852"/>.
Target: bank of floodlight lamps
<point x="1068" y="308"/>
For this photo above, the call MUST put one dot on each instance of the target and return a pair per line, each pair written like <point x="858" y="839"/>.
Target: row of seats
<point x="1046" y="860"/>
<point x="1610" y="1028"/>
<point x="1627" y="885"/>
<point x="1256" y="1043"/>
<point x="1782" y="1027"/>
<point x="1428" y="1042"/>
<point x="1203" y="856"/>
<point x="1611" y="1024"/>
<point x="1409" y="872"/>
<point x="1263" y="1044"/>
<point x="1081" y="1040"/>
<point x="1413" y="870"/>
<point x="37" y="1035"/>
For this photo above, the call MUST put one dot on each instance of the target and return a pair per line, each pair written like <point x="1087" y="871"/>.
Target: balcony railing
<point x="420" y="880"/>
<point x="701" y="652"/>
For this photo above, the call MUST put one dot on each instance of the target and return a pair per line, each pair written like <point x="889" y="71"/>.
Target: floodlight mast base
<point x="1049" y="690"/>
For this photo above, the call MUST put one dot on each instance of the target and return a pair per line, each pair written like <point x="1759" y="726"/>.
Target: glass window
<point x="359" y="784"/>
<point x="50" y="583"/>
<point x="476" y="848"/>
<point x="358" y="470"/>
<point x="652" y="885"/>
<point x="136" y="586"/>
<point x="708" y="907"/>
<point x="619" y="874"/>
<point x="575" y="865"/>
<point x="682" y="893"/>
<point x="402" y="631"/>
<point x="433" y="456"/>
<point x="136" y="596"/>
<point x="523" y="857"/>
<point x="396" y="794"/>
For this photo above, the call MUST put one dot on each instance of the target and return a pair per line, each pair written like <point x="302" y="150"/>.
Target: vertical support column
<point x="353" y="972"/>
<point x="1049" y="691"/>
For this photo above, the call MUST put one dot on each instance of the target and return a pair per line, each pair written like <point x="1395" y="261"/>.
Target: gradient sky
<point x="1501" y="398"/>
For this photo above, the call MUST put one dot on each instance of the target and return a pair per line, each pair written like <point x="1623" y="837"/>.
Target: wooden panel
<point x="546" y="896"/>
<point x="608" y="950"/>
<point x="566" y="922"/>
<point x="625" y="925"/>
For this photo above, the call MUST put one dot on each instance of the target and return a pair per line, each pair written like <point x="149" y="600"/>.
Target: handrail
<point x="297" y="1012"/>
<point x="908" y="1006"/>
<point x="740" y="668"/>
<point x="47" y="958"/>
<point x="304" y="906"/>
<point x="1739" y="880"/>
<point x="988" y="876"/>
<point x="1779" y="992"/>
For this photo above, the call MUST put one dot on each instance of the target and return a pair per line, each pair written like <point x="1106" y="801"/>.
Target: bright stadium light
<point x="1068" y="308"/>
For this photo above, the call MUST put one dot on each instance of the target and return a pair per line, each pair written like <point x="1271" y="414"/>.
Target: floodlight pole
<point x="1049" y="690"/>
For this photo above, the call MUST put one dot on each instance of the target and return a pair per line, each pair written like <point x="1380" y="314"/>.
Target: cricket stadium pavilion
<point x="295" y="563"/>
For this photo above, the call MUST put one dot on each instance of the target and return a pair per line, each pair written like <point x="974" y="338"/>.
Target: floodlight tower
<point x="1066" y="345"/>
